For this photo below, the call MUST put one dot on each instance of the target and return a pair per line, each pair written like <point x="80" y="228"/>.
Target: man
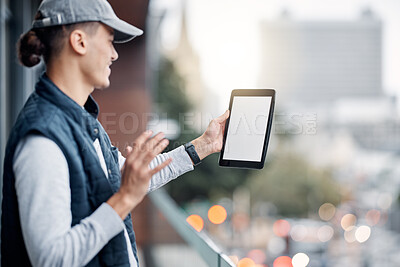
<point x="66" y="201"/>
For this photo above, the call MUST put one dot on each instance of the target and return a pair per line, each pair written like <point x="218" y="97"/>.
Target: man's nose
<point x="114" y="55"/>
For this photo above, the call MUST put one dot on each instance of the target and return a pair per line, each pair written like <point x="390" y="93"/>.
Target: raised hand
<point x="211" y="140"/>
<point x="136" y="173"/>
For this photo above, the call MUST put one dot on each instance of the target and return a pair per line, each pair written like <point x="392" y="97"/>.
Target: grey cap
<point x="61" y="12"/>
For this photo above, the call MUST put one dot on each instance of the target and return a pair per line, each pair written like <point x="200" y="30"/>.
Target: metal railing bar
<point x="206" y="248"/>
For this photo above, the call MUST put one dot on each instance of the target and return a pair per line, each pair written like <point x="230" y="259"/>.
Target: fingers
<point x="161" y="146"/>
<point x="160" y="166"/>
<point x="154" y="141"/>
<point x="154" y="151"/>
<point x="137" y="171"/>
<point x="128" y="150"/>
<point x="141" y="140"/>
<point x="145" y="148"/>
<point x="223" y="117"/>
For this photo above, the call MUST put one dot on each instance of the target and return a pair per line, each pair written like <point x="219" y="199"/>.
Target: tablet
<point x="248" y="128"/>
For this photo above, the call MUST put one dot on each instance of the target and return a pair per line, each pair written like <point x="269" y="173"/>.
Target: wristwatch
<point x="189" y="147"/>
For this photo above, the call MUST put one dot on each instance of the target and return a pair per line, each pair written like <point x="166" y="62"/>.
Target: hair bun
<point x="30" y="49"/>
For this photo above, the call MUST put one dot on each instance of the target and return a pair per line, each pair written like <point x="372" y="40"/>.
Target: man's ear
<point x="78" y="41"/>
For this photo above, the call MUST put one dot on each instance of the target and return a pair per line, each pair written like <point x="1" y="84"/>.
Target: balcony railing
<point x="199" y="241"/>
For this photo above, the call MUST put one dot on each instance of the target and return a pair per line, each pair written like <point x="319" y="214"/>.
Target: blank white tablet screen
<point x="247" y="127"/>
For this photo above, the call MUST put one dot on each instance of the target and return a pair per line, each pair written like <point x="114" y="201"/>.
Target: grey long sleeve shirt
<point x="43" y="192"/>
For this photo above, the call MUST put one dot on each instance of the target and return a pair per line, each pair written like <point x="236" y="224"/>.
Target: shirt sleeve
<point x="181" y="163"/>
<point x="43" y="192"/>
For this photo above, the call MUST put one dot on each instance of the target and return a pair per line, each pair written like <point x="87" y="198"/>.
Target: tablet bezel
<point x="241" y="163"/>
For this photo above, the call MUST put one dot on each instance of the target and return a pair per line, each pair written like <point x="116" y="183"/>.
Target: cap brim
<point x="123" y="31"/>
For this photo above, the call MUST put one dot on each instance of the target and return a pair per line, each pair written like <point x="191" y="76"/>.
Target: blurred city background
<point x="329" y="192"/>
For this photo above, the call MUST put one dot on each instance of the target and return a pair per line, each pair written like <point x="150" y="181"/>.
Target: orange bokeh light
<point x="196" y="222"/>
<point x="246" y="262"/>
<point x="217" y="214"/>
<point x="281" y="228"/>
<point x="283" y="261"/>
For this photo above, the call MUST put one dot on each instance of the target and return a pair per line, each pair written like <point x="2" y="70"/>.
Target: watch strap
<point x="190" y="149"/>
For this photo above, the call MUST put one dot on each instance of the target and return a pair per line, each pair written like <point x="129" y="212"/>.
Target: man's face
<point x="101" y="53"/>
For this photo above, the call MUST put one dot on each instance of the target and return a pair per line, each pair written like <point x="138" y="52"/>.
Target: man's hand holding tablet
<point x="248" y="128"/>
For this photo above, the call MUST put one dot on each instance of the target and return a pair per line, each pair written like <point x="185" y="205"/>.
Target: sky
<point x="226" y="33"/>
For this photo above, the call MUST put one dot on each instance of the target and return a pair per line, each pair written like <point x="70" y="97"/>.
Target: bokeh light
<point x="363" y="233"/>
<point x="350" y="234"/>
<point x="257" y="255"/>
<point x="283" y="261"/>
<point x="325" y="233"/>
<point x="298" y="232"/>
<point x="372" y="217"/>
<point x="300" y="260"/>
<point x="246" y="262"/>
<point x="384" y="201"/>
<point x="196" y="222"/>
<point x="281" y="228"/>
<point x="217" y="214"/>
<point x="348" y="221"/>
<point x="326" y="211"/>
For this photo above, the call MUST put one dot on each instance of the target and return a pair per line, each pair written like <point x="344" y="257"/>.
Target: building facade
<point x="319" y="61"/>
